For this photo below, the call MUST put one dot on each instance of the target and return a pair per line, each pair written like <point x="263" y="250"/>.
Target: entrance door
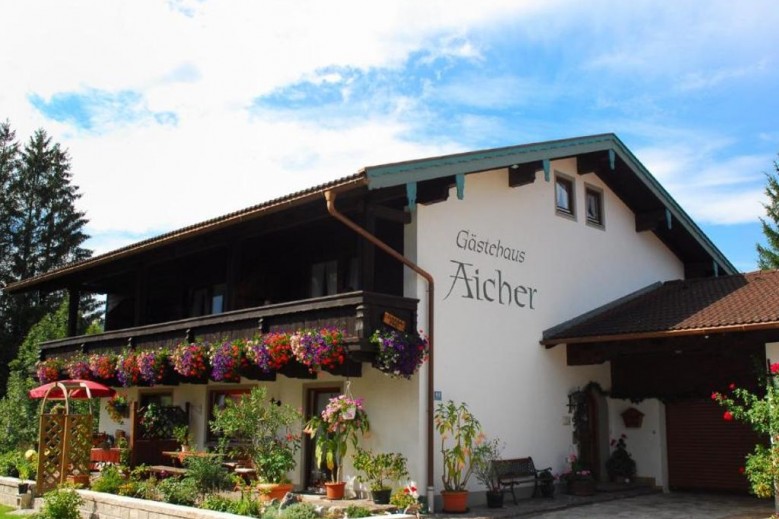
<point x="593" y="432"/>
<point x="316" y="401"/>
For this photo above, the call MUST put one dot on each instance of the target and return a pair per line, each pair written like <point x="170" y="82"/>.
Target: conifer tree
<point x="40" y="229"/>
<point x="768" y="256"/>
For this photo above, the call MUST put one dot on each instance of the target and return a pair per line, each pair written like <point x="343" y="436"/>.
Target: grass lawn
<point x="4" y="512"/>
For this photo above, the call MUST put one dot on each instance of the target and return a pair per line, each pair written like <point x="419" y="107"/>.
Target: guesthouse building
<point x="567" y="298"/>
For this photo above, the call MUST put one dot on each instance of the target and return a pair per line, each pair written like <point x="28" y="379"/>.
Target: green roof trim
<point x="400" y="173"/>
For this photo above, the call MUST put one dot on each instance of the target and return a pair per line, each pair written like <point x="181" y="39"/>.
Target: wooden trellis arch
<point x="65" y="439"/>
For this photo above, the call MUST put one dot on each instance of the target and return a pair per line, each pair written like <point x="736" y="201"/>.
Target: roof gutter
<point x="330" y="196"/>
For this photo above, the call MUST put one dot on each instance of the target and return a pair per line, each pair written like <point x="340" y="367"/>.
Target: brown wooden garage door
<point x="704" y="451"/>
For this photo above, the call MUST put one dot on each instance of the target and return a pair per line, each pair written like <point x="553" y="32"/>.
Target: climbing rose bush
<point x="762" y="414"/>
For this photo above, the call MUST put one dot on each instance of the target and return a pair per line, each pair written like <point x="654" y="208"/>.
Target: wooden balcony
<point x="358" y="313"/>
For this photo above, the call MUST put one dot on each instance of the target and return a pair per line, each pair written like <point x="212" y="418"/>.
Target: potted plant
<point x="341" y="422"/>
<point x="579" y="479"/>
<point x="227" y="360"/>
<point x="621" y="466"/>
<point x="78" y="368"/>
<point x="49" y="370"/>
<point x="118" y="407"/>
<point x="460" y="434"/>
<point x="153" y="366"/>
<point x="182" y="435"/>
<point x="399" y="354"/>
<point x="269" y="434"/>
<point x="379" y="468"/>
<point x="484" y="471"/>
<point x="319" y="349"/>
<point x="406" y="497"/>
<point x="190" y="362"/>
<point x="546" y="482"/>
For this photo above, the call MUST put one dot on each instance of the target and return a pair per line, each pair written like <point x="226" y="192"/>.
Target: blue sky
<point x="178" y="111"/>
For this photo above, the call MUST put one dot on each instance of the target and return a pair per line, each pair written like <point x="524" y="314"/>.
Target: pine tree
<point x="40" y="229"/>
<point x="768" y="257"/>
<point x="18" y="413"/>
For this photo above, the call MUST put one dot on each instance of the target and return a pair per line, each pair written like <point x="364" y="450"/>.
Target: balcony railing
<point x="358" y="313"/>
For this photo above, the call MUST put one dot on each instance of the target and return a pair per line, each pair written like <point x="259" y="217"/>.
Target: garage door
<point x="704" y="451"/>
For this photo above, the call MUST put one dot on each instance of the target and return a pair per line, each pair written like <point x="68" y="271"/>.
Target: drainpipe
<point x="330" y="196"/>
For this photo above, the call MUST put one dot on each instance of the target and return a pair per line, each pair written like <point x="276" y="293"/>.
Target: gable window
<point x="593" y="200"/>
<point x="564" y="195"/>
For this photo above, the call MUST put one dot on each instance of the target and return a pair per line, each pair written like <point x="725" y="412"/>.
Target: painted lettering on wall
<point x="492" y="287"/>
<point x="466" y="240"/>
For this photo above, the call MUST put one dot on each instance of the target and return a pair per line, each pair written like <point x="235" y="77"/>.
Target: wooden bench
<point x="166" y="470"/>
<point x="515" y="472"/>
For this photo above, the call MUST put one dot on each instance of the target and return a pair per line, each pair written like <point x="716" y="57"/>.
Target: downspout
<point x="330" y="196"/>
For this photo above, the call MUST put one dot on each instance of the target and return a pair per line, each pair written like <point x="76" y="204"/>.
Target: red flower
<point x="774" y="368"/>
<point x="732" y="386"/>
<point x="715" y="396"/>
<point x="727" y="416"/>
<point x="741" y="470"/>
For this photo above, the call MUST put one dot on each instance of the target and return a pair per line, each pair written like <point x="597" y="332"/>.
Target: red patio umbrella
<point x="73" y="389"/>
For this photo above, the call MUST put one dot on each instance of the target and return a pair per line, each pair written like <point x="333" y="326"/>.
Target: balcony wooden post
<point x="73" y="300"/>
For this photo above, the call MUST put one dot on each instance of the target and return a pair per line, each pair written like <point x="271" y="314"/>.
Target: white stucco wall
<point x="488" y="353"/>
<point x="647" y="444"/>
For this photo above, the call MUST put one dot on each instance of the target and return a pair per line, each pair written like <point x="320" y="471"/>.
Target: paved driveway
<point x="670" y="506"/>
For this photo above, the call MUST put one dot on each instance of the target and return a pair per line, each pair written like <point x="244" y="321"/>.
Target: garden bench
<point x="166" y="470"/>
<point x="515" y="472"/>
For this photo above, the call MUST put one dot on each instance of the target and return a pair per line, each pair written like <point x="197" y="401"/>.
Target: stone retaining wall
<point x="99" y="505"/>
<point x="9" y="490"/>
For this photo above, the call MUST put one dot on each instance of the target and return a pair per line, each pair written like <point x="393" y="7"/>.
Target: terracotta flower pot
<point x="335" y="491"/>
<point x="271" y="491"/>
<point x="455" y="501"/>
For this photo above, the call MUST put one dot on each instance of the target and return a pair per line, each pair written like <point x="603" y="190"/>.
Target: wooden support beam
<point x="523" y="174"/>
<point x="387" y="213"/>
<point x="73" y="303"/>
<point x="434" y="191"/>
<point x="652" y="220"/>
<point x="596" y="162"/>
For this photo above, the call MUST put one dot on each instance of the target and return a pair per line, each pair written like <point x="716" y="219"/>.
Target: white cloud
<point x="711" y="189"/>
<point x="207" y="61"/>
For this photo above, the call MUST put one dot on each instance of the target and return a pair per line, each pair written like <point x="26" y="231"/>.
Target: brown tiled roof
<point x="741" y="302"/>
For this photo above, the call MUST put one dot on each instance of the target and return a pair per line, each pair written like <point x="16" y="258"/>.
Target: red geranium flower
<point x="774" y="368"/>
<point x="727" y="416"/>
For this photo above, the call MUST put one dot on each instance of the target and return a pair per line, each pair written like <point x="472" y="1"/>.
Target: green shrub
<point x="217" y="503"/>
<point x="209" y="475"/>
<point x="61" y="503"/>
<point x="299" y="511"/>
<point x="140" y="485"/>
<point x="353" y="511"/>
<point x="271" y="512"/>
<point x="110" y="480"/>
<point x="9" y="462"/>
<point x="248" y="505"/>
<point x="178" y="491"/>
